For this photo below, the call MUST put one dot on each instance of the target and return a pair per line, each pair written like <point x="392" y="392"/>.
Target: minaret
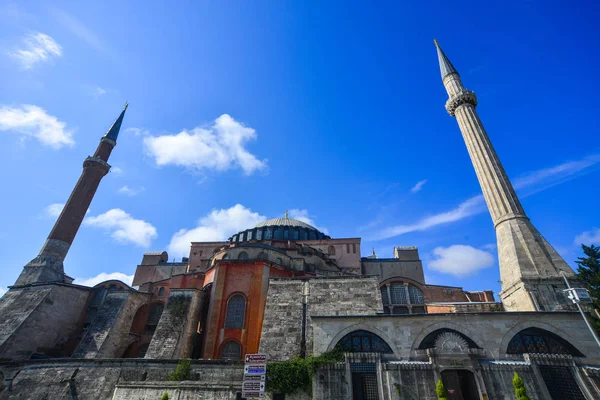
<point x="48" y="265"/>
<point x="530" y="269"/>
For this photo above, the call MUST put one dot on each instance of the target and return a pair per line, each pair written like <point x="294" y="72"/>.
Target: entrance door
<point x="460" y="384"/>
<point x="364" y="381"/>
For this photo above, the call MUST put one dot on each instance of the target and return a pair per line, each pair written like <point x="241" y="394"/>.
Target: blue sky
<point x="333" y="110"/>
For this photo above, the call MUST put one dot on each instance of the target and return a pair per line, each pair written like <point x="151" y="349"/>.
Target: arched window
<point x="278" y="261"/>
<point x="415" y="294"/>
<point x="161" y="292"/>
<point x="243" y="256"/>
<point x="331" y="250"/>
<point x="262" y="255"/>
<point x="231" y="350"/>
<point x="236" y="308"/>
<point x="363" y="341"/>
<point x="535" y="340"/>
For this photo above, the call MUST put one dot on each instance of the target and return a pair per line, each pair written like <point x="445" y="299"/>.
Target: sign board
<point x="256" y="358"/>
<point x="249" y="395"/>
<point x="254" y="377"/>
<point x="579" y="295"/>
<point x="255" y="370"/>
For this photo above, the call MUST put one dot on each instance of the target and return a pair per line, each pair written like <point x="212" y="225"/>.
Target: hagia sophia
<point x="286" y="289"/>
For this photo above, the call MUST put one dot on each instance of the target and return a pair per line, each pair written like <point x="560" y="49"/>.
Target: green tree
<point x="520" y="389"/>
<point x="588" y="271"/>
<point x="440" y="390"/>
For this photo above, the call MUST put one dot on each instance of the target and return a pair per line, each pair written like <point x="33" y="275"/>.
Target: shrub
<point x="440" y="390"/>
<point x="165" y="396"/>
<point x="182" y="372"/>
<point x="520" y="389"/>
<point x="296" y="374"/>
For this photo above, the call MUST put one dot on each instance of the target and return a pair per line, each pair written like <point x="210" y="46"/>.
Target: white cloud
<point x="302" y="215"/>
<point x="126" y="190"/>
<point x="54" y="209"/>
<point x="218" y="225"/>
<point x="98" y="91"/>
<point x="103" y="276"/>
<point x="530" y="183"/>
<point x="588" y="237"/>
<point x="116" y="170"/>
<point x="37" y="48"/>
<point x="460" y="260"/>
<point x="2" y="291"/>
<point x="219" y="147"/>
<point x="71" y="23"/>
<point x="33" y="121"/>
<point x="123" y="227"/>
<point x="137" y="131"/>
<point x="472" y="206"/>
<point x="418" y="186"/>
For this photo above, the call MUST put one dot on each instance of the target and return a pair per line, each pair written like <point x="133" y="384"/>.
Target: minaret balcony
<point x="459" y="99"/>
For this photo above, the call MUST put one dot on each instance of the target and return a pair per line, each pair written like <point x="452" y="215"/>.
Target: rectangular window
<point x="354" y="248"/>
<point x="348" y="248"/>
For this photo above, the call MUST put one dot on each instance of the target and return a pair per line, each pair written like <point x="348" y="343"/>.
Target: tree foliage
<point x="440" y="390"/>
<point x="182" y="372"/>
<point x="588" y="271"/>
<point x="296" y="374"/>
<point x="165" y="396"/>
<point x="520" y="389"/>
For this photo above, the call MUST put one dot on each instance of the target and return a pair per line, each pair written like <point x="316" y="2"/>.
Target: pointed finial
<point x="286" y="214"/>
<point x="446" y="67"/>
<point x="113" y="132"/>
<point x="373" y="249"/>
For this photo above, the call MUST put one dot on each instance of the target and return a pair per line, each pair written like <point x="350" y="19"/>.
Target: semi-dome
<point x="280" y="229"/>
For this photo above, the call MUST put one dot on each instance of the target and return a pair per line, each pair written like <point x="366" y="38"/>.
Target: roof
<point x="285" y="222"/>
<point x="113" y="132"/>
<point x="446" y="67"/>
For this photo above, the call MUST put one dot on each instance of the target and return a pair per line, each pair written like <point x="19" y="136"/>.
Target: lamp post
<point x="577" y="295"/>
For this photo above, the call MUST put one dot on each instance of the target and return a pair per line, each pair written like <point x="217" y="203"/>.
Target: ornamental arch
<point x="521" y="326"/>
<point x="474" y="339"/>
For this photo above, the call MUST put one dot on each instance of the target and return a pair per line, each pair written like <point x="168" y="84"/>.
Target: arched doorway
<point x="364" y="374"/>
<point x="460" y="384"/>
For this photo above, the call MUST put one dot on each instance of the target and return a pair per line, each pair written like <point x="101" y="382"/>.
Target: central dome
<point x="284" y="222"/>
<point x="280" y="229"/>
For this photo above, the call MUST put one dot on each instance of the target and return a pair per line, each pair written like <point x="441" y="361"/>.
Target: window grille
<point x="398" y="291"/>
<point x="243" y="256"/>
<point x="384" y="295"/>
<point x="231" y="351"/>
<point x="416" y="295"/>
<point x="236" y="308"/>
<point x="331" y="250"/>
<point x="535" y="340"/>
<point x="363" y="341"/>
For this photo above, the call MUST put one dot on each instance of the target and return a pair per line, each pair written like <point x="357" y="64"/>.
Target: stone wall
<point x="174" y="335"/>
<point x="35" y="319"/>
<point x="408" y="381"/>
<point x="118" y="379"/>
<point x="285" y="318"/>
<point x="109" y="332"/>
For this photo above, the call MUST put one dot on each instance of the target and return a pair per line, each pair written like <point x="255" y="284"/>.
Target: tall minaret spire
<point x="48" y="265"/>
<point x="530" y="269"/>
